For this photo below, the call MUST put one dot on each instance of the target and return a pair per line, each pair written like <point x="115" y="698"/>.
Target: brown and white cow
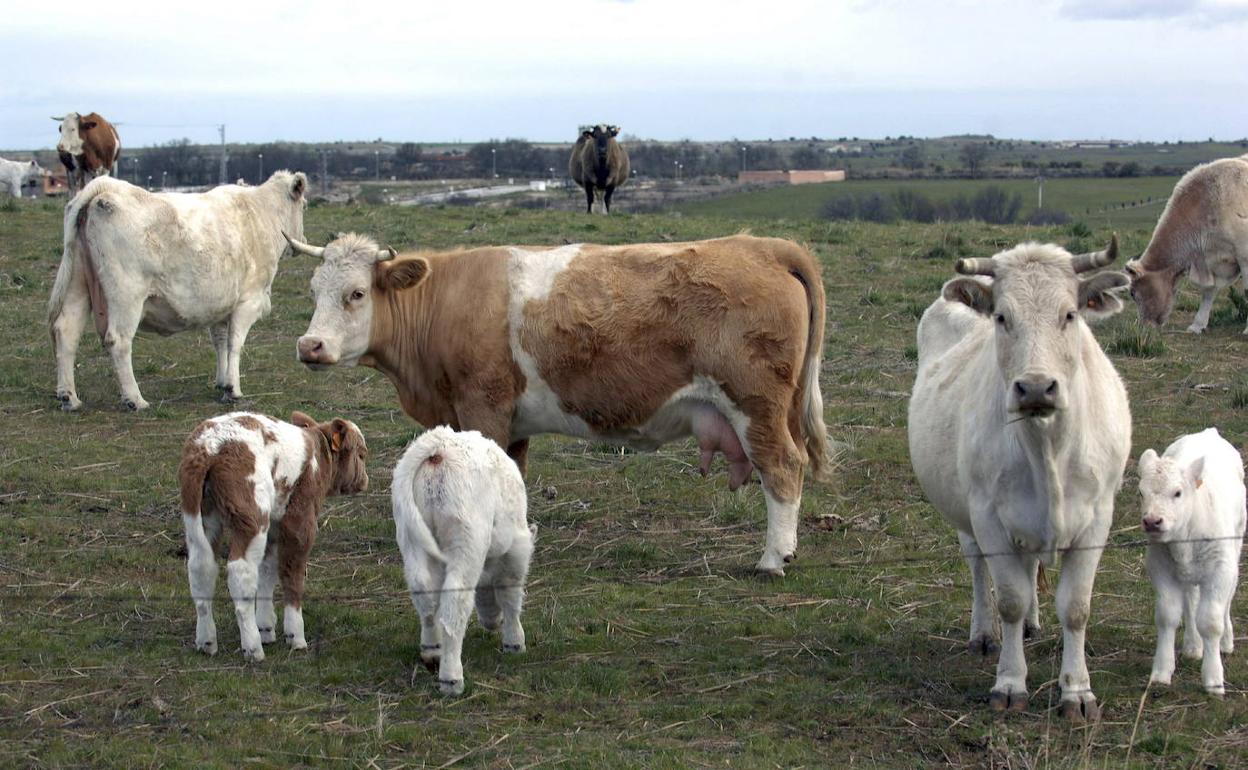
<point x="636" y="345"/>
<point x="89" y="147"/>
<point x="258" y="484"/>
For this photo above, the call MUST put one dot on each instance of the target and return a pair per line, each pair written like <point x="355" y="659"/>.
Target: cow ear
<point x="972" y="292"/>
<point x="615" y="130"/>
<point x="1098" y="295"/>
<point x="339" y="434"/>
<point x="1131" y="269"/>
<point x="88" y="125"/>
<point x="1196" y="472"/>
<point x="299" y="186"/>
<point x="1147" y="461"/>
<point x="302" y="420"/>
<point x="397" y="276"/>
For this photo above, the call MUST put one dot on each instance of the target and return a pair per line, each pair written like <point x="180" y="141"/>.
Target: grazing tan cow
<point x="636" y="345"/>
<point x="598" y="164"/>
<point x="88" y="147"/>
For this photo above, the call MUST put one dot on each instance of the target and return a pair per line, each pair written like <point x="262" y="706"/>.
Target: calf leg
<point x="1074" y="605"/>
<point x="67" y="329"/>
<point x="983" y="636"/>
<point x="297" y="533"/>
<point x="454" y="609"/>
<point x="488" y="611"/>
<point x="509" y="589"/>
<point x="424" y="579"/>
<point x="1192" y="647"/>
<point x="201" y="573"/>
<point x="220" y="335"/>
<point x="242" y="573"/>
<point x="1168" y="613"/>
<point x="1202" y="314"/>
<point x="266" y="618"/>
<point x="1215" y="599"/>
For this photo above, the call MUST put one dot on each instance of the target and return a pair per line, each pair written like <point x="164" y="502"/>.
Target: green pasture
<point x="651" y="643"/>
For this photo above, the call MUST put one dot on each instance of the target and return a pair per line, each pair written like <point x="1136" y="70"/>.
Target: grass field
<point x="1093" y="200"/>
<point x="651" y="644"/>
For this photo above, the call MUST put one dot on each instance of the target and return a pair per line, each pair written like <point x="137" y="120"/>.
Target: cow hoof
<point x="254" y="656"/>
<point x="134" y="405"/>
<point x="69" y="402"/>
<point x="297" y="644"/>
<point x="1080" y="712"/>
<point x="790" y="558"/>
<point x="1007" y="701"/>
<point x="769" y="572"/>
<point x="451" y="686"/>
<point x="267" y="636"/>
<point x="1195" y="653"/>
<point x="490" y="624"/>
<point x="207" y="648"/>
<point x="513" y="648"/>
<point x="1030" y="630"/>
<point x="230" y="396"/>
<point x="984" y="645"/>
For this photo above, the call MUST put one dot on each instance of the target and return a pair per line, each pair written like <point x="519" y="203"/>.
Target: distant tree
<point x="840" y="208"/>
<point x="995" y="206"/>
<point x="876" y="208"/>
<point x="1109" y="168"/>
<point x="1130" y="168"/>
<point x="974" y="155"/>
<point x="806" y="157"/>
<point x="912" y="157"/>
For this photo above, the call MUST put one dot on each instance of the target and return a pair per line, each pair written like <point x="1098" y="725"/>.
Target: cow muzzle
<point x="313" y="352"/>
<point x="1035" y="395"/>
<point x="1153" y="525"/>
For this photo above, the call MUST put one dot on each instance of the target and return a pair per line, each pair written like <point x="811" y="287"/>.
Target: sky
<point x="661" y="69"/>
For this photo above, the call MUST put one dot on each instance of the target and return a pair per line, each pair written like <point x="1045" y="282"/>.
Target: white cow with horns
<point x="169" y="262"/>
<point x="1019" y="434"/>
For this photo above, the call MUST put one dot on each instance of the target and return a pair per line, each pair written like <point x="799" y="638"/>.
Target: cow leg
<point x="1211" y="615"/>
<point x="983" y="637"/>
<point x="488" y="611"/>
<point x="246" y="314"/>
<point x="1193" y="649"/>
<point x="606" y="198"/>
<point x="424" y="579"/>
<point x="518" y="451"/>
<point x="266" y="617"/>
<point x="454" y="609"/>
<point x="242" y="574"/>
<point x="201" y="573"/>
<point x="1206" y="306"/>
<point x="509" y="588"/>
<point x="67" y="329"/>
<point x="123" y="323"/>
<point x="1074" y="605"/>
<point x="220" y="335"/>
<point x="589" y="199"/>
<point x="771" y="450"/>
<point x="1167" y="615"/>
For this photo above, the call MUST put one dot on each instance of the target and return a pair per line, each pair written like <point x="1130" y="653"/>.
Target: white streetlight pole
<point x="260" y="173"/>
<point x="494" y="162"/>
<point x="377" y="160"/>
<point x="743" y="149"/>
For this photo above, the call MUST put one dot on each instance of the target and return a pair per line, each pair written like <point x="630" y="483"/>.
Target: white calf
<point x="459" y="514"/>
<point x="1194" y="513"/>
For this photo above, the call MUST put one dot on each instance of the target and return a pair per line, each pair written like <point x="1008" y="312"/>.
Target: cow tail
<point x="810" y="398"/>
<point x="407" y="514"/>
<point x="77" y="250"/>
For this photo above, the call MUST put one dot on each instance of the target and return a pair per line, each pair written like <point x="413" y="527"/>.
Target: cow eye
<point x="357" y="295"/>
<point x="1178" y="493"/>
<point x="1070" y="316"/>
<point x="1000" y="319"/>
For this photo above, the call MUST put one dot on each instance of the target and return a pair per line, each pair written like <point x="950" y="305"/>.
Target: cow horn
<point x="976" y="266"/>
<point x="302" y="248"/>
<point x="58" y="120"/>
<point x="1094" y="259"/>
<point x="386" y="254"/>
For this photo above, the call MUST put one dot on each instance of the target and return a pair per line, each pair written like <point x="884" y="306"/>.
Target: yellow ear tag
<point x="1199" y="482"/>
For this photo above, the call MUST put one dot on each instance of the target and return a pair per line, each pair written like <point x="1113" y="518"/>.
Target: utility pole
<point x="324" y="174"/>
<point x="1039" y="192"/>
<point x="224" y="159"/>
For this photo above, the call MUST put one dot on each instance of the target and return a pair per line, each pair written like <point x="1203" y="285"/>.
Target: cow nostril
<point x="1020" y="388"/>
<point x="1052" y="389"/>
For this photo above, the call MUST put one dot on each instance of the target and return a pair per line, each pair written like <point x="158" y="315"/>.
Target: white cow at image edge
<point x="167" y="262"/>
<point x="14" y="173"/>
<point x="1193" y="506"/>
<point x="1019" y="434"/>
<point x="459" y="515"/>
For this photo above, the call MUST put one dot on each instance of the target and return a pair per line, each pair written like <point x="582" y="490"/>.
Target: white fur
<point x="71" y="139"/>
<point x="1193" y="496"/>
<point x="460" y="524"/>
<point x="14" y="173"/>
<point x="1022" y="488"/>
<point x="169" y="262"/>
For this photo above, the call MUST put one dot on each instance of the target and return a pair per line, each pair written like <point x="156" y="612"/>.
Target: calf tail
<point x="407" y="514"/>
<point x="192" y="474"/>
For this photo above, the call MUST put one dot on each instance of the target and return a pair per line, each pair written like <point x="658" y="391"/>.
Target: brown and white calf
<point x="258" y="483"/>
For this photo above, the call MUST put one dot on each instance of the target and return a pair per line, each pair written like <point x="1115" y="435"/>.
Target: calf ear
<point x="1146" y="461"/>
<point x="396" y="276"/>
<point x="1196" y="472"/>
<point x="1098" y="296"/>
<point x="299" y="186"/>
<point x="302" y="420"/>
<point x="972" y="292"/>
<point x="339" y="434"/>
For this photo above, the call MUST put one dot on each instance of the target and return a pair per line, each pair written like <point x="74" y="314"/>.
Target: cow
<point x="88" y="147"/>
<point x="14" y="175"/>
<point x="167" y="262"/>
<point x="1203" y="234"/>
<point x="459" y="515"/>
<point x="1192" y="500"/>
<point x="599" y="165"/>
<point x="636" y="345"/>
<point x="257" y="484"/>
<point x="1019" y="433"/>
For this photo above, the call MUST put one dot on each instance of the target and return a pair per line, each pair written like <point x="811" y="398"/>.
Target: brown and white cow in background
<point x="167" y="262"/>
<point x="1019" y="434"/>
<point x="599" y="165"/>
<point x="89" y="147"/>
<point x="1203" y="234"/>
<point x="256" y="484"/>
<point x="635" y="345"/>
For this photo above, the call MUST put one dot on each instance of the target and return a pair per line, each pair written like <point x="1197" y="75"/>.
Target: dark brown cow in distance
<point x="89" y="147"/>
<point x="598" y="164"/>
<point x="636" y="345"/>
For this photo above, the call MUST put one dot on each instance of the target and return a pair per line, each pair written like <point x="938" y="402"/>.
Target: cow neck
<point x="399" y="337"/>
<point x="1176" y="241"/>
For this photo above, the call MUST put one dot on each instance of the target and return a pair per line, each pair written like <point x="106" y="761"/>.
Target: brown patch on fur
<point x="434" y="459"/>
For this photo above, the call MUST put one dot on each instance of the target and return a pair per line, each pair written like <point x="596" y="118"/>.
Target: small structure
<point x="796" y="176"/>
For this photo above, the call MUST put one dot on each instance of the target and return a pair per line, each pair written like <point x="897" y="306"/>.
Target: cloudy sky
<point x="664" y="69"/>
